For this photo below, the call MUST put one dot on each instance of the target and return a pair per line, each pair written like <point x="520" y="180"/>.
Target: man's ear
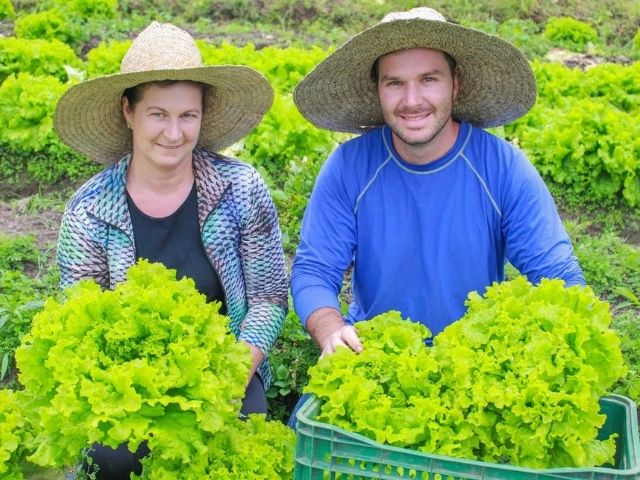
<point x="456" y="81"/>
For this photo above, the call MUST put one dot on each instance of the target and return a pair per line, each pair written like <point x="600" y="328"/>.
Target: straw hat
<point x="89" y="119"/>
<point x="497" y="84"/>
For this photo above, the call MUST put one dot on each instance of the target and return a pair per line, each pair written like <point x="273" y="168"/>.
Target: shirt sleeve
<point x="79" y="255"/>
<point x="327" y="242"/>
<point x="537" y="243"/>
<point x="264" y="269"/>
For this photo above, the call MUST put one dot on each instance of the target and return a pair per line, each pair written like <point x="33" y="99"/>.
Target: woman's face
<point x="165" y="123"/>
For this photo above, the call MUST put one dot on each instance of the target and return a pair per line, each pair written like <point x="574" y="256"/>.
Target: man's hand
<point x="327" y="328"/>
<point x="345" y="336"/>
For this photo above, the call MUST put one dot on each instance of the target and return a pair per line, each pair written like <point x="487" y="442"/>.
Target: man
<point x="425" y="204"/>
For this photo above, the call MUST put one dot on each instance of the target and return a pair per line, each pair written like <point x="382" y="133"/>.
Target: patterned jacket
<point x="239" y="231"/>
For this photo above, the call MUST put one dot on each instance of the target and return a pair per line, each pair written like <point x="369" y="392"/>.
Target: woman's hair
<point x="134" y="94"/>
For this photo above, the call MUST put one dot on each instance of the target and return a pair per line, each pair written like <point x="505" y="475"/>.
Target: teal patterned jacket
<point x="239" y="231"/>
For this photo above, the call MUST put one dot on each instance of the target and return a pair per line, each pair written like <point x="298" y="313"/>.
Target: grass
<point x="43" y="202"/>
<point x="27" y="277"/>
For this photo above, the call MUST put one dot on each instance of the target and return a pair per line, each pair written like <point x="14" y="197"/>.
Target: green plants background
<point x="567" y="32"/>
<point x="582" y="135"/>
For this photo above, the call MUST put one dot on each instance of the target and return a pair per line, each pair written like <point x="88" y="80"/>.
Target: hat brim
<point x="497" y="84"/>
<point x="89" y="119"/>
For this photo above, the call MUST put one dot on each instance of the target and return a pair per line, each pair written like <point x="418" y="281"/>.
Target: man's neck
<point x="436" y="148"/>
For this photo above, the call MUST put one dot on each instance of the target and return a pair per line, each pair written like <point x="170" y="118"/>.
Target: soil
<point x="583" y="61"/>
<point x="16" y="220"/>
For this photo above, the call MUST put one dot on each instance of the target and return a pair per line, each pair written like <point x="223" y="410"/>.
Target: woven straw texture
<point x="89" y="119"/>
<point x="497" y="84"/>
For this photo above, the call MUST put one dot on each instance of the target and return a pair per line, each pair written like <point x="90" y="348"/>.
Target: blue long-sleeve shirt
<point x="422" y="237"/>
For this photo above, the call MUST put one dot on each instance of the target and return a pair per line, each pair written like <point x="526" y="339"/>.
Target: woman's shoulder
<point x="229" y="168"/>
<point x="88" y="193"/>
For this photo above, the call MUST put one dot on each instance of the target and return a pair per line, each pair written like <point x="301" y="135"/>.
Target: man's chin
<point x="415" y="139"/>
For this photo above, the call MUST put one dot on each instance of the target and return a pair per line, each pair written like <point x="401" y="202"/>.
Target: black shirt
<point x="175" y="242"/>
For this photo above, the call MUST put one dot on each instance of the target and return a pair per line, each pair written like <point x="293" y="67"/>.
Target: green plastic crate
<point x="327" y="452"/>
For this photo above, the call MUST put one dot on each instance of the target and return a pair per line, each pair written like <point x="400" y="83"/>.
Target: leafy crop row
<point x="21" y="293"/>
<point x="582" y="134"/>
<point x="329" y="21"/>
<point x="285" y="147"/>
<point x="570" y="33"/>
<point x="612" y="268"/>
<point x="68" y="21"/>
<point x="149" y="361"/>
<point x="289" y="151"/>
<point x="584" y="131"/>
<point x="517" y="380"/>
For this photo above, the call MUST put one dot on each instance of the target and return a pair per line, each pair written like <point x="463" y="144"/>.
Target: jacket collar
<point x="210" y="185"/>
<point x="111" y="202"/>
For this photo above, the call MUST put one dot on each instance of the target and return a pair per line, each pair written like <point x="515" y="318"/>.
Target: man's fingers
<point x="346" y="336"/>
<point x="331" y="345"/>
<point x="351" y="339"/>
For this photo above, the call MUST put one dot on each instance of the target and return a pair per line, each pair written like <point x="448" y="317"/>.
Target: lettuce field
<point x="583" y="136"/>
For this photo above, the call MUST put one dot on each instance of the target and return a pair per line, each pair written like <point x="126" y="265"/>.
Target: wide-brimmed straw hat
<point x="89" y="119"/>
<point x="497" y="84"/>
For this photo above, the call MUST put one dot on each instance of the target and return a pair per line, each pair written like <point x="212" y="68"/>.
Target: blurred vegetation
<point x="322" y="22"/>
<point x="589" y="156"/>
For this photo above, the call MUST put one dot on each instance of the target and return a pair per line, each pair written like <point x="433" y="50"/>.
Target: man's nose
<point x="411" y="93"/>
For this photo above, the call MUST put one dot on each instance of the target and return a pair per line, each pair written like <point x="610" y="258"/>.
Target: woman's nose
<point x="172" y="130"/>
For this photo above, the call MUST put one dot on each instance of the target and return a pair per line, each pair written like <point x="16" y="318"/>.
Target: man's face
<point x="417" y="91"/>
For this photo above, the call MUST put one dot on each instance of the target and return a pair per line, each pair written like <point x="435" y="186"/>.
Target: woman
<point x="169" y="198"/>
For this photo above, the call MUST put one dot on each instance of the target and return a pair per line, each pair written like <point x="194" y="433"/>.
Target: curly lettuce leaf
<point x="109" y="366"/>
<point x="517" y="380"/>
